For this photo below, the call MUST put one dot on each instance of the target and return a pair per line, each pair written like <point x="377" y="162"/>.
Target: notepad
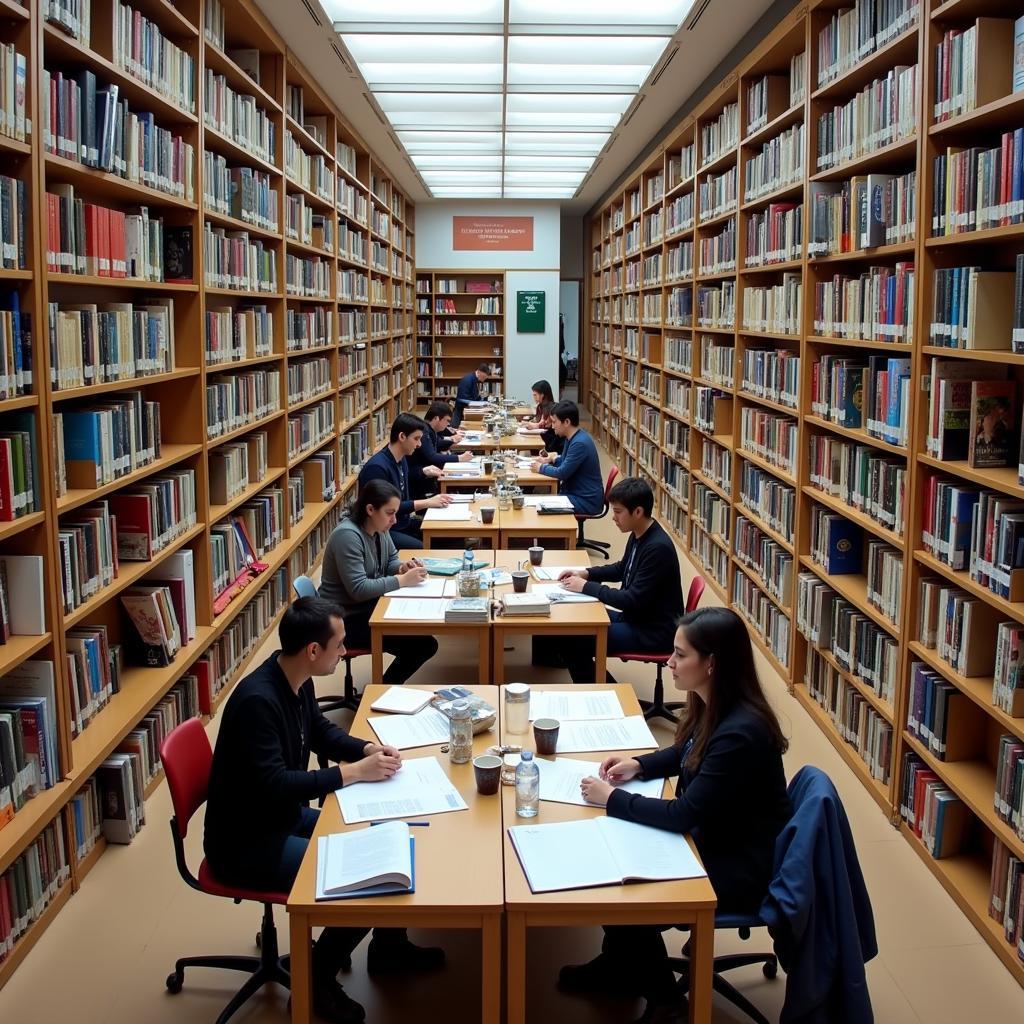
<point x="450" y="514"/>
<point x="553" y="501"/>
<point x="428" y="588"/>
<point x="600" y="705"/>
<point x="560" y="781"/>
<point x="419" y="787"/>
<point x="429" y="609"/>
<point x="402" y="700"/>
<point x="630" y="733"/>
<point x="370" y="862"/>
<point x="556" y="593"/>
<point x="425" y="728"/>
<point x="552" y="572"/>
<point x="600" y="851"/>
<point x="448" y="566"/>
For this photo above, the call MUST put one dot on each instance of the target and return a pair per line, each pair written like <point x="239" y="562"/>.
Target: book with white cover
<point x="526" y="604"/>
<point x="454" y="513"/>
<point x="402" y="700"/>
<point x="369" y="862"/>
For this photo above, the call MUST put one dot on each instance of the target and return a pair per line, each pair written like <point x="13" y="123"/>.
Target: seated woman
<point x="541" y="423"/>
<point x="360" y="564"/>
<point x="730" y="796"/>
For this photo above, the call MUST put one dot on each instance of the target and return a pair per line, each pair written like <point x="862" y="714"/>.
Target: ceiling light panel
<point x="664" y="14"/>
<point x="409" y="12"/>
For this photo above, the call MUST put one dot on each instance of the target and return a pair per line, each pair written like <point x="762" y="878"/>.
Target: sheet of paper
<point x="423" y="729"/>
<point x="468" y="468"/>
<point x="648" y="853"/>
<point x="451" y="514"/>
<point x="631" y="733"/>
<point x="499" y="577"/>
<point x="428" y="588"/>
<point x="560" y="781"/>
<point x="598" y="705"/>
<point x="428" y="608"/>
<point x="552" y="572"/>
<point x="564" y="855"/>
<point x="556" y="593"/>
<point x="548" y="500"/>
<point x="401" y="700"/>
<point x="419" y="787"/>
<point x="461" y="499"/>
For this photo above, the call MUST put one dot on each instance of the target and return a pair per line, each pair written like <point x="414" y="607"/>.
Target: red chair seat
<point x="233" y="892"/>
<point x="357" y="652"/>
<point x="644" y="656"/>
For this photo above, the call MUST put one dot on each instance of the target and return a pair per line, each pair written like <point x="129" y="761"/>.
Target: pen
<point x="411" y="824"/>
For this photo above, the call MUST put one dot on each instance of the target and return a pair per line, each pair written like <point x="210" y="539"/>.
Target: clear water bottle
<point x="527" y="786"/>
<point x="460" y="732"/>
<point x="467" y="560"/>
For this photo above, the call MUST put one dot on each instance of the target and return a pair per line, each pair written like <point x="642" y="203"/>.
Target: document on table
<point x="451" y="514"/>
<point x="402" y="700"/>
<point x="594" y="706"/>
<point x="552" y="572"/>
<point x="631" y="733"/>
<point x="428" y="588"/>
<point x="419" y="787"/>
<point x="462" y="499"/>
<point x="497" y="577"/>
<point x="468" y="468"/>
<point x="423" y="729"/>
<point x="427" y="608"/>
<point x="548" y="501"/>
<point x="560" y="781"/>
<point x="557" y="593"/>
<point x="600" y="851"/>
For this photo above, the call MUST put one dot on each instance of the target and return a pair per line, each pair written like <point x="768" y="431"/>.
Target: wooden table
<point x="441" y="532"/>
<point x="481" y="482"/>
<point x="589" y="619"/>
<point x="444" y="898"/>
<point x="528" y="524"/>
<point x="688" y="901"/>
<point x="381" y="627"/>
<point x="522" y="442"/>
<point x="478" y="413"/>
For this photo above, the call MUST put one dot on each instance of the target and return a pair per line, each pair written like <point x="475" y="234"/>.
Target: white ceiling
<point x="537" y="143"/>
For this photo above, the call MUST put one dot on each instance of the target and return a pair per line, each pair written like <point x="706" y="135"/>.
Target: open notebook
<point x="371" y="862"/>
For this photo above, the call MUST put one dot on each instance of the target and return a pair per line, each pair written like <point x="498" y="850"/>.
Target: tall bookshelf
<point x="705" y="349"/>
<point x="308" y="197"/>
<point x="460" y="323"/>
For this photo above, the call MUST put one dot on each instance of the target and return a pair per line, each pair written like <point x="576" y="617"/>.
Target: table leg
<point x="497" y="654"/>
<point x="701" y="966"/>
<point x="302" y="982"/>
<point x="484" y="657"/>
<point x="376" y="654"/>
<point x="515" y="952"/>
<point x="490" y="958"/>
<point x="601" y="657"/>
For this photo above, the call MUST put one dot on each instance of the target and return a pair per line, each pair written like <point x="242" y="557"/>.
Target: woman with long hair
<point x="361" y="564"/>
<point x="541" y="424"/>
<point x="730" y="797"/>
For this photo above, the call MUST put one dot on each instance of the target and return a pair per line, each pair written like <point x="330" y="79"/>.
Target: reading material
<point x="548" y="501"/>
<point x="560" y="781"/>
<point x="402" y="700"/>
<point x="370" y="862"/>
<point x="600" y="851"/>
<point x="418" y="788"/>
<point x="428" y="588"/>
<point x="451" y="514"/>
<point x="631" y="733"/>
<point x="575" y="707"/>
<point x="427" y="608"/>
<point x="422" y="729"/>
<point x="557" y="594"/>
<point x="551" y="572"/>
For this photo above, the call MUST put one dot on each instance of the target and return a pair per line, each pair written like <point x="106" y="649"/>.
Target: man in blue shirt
<point x="578" y="468"/>
<point x="469" y="391"/>
<point x="434" y="449"/>
<point x="392" y="463"/>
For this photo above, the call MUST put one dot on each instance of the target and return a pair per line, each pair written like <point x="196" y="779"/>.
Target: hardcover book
<point x="993" y="423"/>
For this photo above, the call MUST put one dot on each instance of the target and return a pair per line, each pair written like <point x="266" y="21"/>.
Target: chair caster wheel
<point x="174" y="982"/>
<point x="770" y="969"/>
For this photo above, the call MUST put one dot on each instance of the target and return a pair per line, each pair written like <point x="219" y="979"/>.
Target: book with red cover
<point x="134" y="526"/>
<point x="993" y="423"/>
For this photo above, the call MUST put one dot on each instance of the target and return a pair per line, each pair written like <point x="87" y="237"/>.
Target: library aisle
<point x="118" y="938"/>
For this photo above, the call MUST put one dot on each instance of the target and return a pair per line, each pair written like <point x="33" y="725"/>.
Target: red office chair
<point x="659" y="708"/>
<point x="187" y="758"/>
<point x="600" y="546"/>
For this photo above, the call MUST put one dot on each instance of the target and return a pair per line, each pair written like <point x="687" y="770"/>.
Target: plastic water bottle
<point x="467" y="560"/>
<point x="527" y="786"/>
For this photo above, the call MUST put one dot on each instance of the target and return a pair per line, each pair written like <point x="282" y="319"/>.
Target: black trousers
<point x="411" y="652"/>
<point x="408" y="535"/>
<point x="460" y="408"/>
<point x="640" y="950"/>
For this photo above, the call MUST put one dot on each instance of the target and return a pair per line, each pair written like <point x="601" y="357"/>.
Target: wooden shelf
<point x="33" y="934"/>
<point x="235" y="224"/>
<point x="864" y="521"/>
<point x="218" y="512"/>
<point x="131" y="383"/>
<point x="901" y="50"/>
<point x="87" y="281"/>
<point x="893" y="154"/>
<point x="854" y="589"/>
<point x="1012" y="233"/>
<point x="226" y="146"/>
<point x="879" y="252"/>
<point x="788" y="118"/>
<point x="222" y="64"/>
<point x="1006" y="112"/>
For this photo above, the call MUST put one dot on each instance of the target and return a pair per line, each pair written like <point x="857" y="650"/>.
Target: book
<point x="449" y="566"/>
<point x="993" y="423"/>
<point x="526" y="604"/>
<point x="1018" y="55"/>
<point x="402" y="700"/>
<point x="600" y="851"/>
<point x="373" y="861"/>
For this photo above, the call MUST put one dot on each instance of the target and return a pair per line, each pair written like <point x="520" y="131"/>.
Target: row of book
<point x="716" y="306"/>
<point x="718" y="194"/>
<point x="974" y="308"/>
<point x="774" y="309"/>
<point x="768" y="620"/>
<point x="309" y="171"/>
<point x="146" y="54"/>
<point x="720" y="135"/>
<point x="15" y="346"/>
<point x="718" y="251"/>
<point x="862" y="212"/>
<point x="771" y="436"/>
<point x="244" y="193"/>
<point x="239" y="117"/>
<point x="312" y="327"/>
<point x="13" y="210"/>
<point x="308" y="378"/>
<point x="1008" y="798"/>
<point x="233" y="465"/>
<point x="240" y="332"/>
<point x="773" y="374"/>
<point x="311" y="427"/>
<point x="680" y="214"/>
<point x="779" y="163"/>
<point x="875" y="305"/>
<point x="717" y="360"/>
<point x="711" y="511"/>
<point x="679" y="261"/>
<point x="935" y="814"/>
<point x="761" y="552"/>
<point x="939" y="715"/>
<point x="972" y="413"/>
<point x="234" y="400"/>
<point x="72" y="17"/>
<point x="309" y="276"/>
<point x="14" y="120"/>
<point x="353" y="286"/>
<point x="1006" y="895"/>
<point x="303" y="224"/>
<point x="774" y="235"/>
<point x="853" y="33"/>
<point x="233" y="259"/>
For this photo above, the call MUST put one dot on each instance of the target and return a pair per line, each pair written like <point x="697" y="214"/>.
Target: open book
<point x="371" y="862"/>
<point x="600" y="851"/>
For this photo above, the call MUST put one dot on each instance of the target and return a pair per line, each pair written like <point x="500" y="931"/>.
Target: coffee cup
<point x="487" y="769"/>
<point x="487" y="514"/>
<point x="518" y="500"/>
<point x="487" y="465"/>
<point x="536" y="555"/>
<point x="520" y="577"/>
<point x="545" y="735"/>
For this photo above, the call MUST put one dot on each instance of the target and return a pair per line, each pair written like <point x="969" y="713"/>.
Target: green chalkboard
<point x="530" y="312"/>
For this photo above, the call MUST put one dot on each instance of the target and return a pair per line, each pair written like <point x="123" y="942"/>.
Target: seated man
<point x="469" y="391"/>
<point x="578" y="468"/>
<point x="434" y="449"/>
<point x="258" y="822"/>
<point x="391" y="463"/>
<point x="650" y="600"/>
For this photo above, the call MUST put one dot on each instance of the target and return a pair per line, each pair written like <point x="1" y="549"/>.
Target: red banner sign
<point x="492" y="234"/>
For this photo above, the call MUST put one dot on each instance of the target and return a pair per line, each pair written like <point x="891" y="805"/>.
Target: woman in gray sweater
<point x="360" y="564"/>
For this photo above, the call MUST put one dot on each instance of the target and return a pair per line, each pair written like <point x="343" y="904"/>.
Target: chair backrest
<point x="610" y="483"/>
<point x="304" y="586"/>
<point x="187" y="757"/>
<point x="693" y="596"/>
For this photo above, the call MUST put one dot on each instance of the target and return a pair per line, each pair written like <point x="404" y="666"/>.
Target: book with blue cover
<point x="373" y="861"/>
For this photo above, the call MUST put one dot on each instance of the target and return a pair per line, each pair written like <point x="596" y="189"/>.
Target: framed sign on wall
<point x="530" y="312"/>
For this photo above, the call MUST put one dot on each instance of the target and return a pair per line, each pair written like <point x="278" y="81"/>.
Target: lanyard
<point x="380" y="555"/>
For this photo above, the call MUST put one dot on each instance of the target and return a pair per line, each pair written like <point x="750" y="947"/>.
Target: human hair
<point x="721" y="632"/>
<point x="543" y="388"/>
<point x="406" y="423"/>
<point x="631" y="493"/>
<point x="438" y="410"/>
<point x="307" y="620"/>
<point x="484" y="368"/>
<point x="567" y="411"/>
<point x="373" y="492"/>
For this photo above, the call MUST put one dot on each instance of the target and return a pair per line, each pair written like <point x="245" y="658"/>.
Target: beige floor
<point x="105" y="958"/>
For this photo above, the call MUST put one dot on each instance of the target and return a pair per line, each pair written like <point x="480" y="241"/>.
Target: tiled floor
<point x="105" y="958"/>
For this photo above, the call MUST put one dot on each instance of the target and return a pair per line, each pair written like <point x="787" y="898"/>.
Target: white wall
<point x="569" y="302"/>
<point x="531" y="357"/>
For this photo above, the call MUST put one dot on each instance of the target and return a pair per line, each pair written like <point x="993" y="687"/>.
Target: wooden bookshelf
<point x="305" y="325"/>
<point x="672" y="353"/>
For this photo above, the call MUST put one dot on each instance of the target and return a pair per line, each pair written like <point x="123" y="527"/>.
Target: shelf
<point x="962" y="579"/>
<point x="87" y="281"/>
<point x="227" y="147"/>
<point x="170" y="21"/>
<point x="999" y="478"/>
<point x="755" y="518"/>
<point x="754" y="574"/>
<point x="718" y="162"/>
<point x="855" y="435"/>
<point x="218" y="512"/>
<point x="308" y="248"/>
<point x="301" y="456"/>
<point x="901" y="50"/>
<point x="768" y="467"/>
<point x="239" y="364"/>
<point x="769" y="403"/>
<point x="235" y="224"/>
<point x="110" y="386"/>
<point x="864" y="521"/>
<point x="13" y="9"/>
<point x="763" y="647"/>
<point x="21" y="402"/>
<point x="1010" y="234"/>
<point x="854" y="589"/>
<point x="222" y="64"/>
<point x="773" y="268"/>
<point x="883" y="707"/>
<point x="879" y="252"/>
<point x="893" y="346"/>
<point x="1006" y="112"/>
<point x="312" y="400"/>
<point x="19" y="525"/>
<point x="903" y="151"/>
<point x="33" y="933"/>
<point x="981" y="355"/>
<point x="305" y="139"/>
<point x="788" y="118"/>
<point x="103" y="184"/>
<point x="17" y="649"/>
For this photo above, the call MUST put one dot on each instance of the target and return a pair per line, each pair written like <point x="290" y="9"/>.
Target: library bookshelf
<point x="460" y="323"/>
<point x="727" y="352"/>
<point x="290" y="278"/>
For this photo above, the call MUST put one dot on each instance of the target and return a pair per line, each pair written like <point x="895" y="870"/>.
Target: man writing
<point x="434" y="448"/>
<point x="578" y="468"/>
<point x="469" y="391"/>
<point x="258" y="822"/>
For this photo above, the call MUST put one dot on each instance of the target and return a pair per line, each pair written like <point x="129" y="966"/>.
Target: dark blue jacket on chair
<point x="818" y="911"/>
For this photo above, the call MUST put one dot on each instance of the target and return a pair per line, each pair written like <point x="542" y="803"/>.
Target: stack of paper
<point x="426" y="609"/>
<point x="560" y="781"/>
<point x="560" y="501"/>
<point x="630" y="733"/>
<point x="469" y="468"/>
<point x="402" y="700"/>
<point x="525" y="604"/>
<point x="424" y="729"/>
<point x="467" y="609"/>
<point x="450" y="514"/>
<point x="428" y="588"/>
<point x="418" y="788"/>
<point x="571" y="706"/>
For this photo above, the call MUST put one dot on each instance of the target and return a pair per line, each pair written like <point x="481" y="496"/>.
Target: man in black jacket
<point x="434" y="449"/>
<point x="258" y="822"/>
<point x="650" y="599"/>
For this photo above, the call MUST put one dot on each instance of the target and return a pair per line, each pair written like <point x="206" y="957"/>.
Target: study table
<point x="477" y="412"/>
<point x="507" y="527"/>
<point x="453" y="479"/>
<point x="481" y="439"/>
<point x="444" y="898"/>
<point x="687" y="901"/>
<point x="528" y="524"/>
<point x="436" y="532"/>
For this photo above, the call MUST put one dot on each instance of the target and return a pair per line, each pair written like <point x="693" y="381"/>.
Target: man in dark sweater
<point x="434" y="449"/>
<point x="578" y="468"/>
<point x="258" y="822"/>
<point x="392" y="463"/>
<point x="650" y="599"/>
<point x="469" y="390"/>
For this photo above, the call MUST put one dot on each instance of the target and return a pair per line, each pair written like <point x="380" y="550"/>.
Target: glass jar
<point x="460" y="732"/>
<point x="504" y="499"/>
<point x="517" y="708"/>
<point x="469" y="584"/>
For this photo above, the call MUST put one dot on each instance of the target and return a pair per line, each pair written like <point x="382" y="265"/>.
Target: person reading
<point x="258" y="818"/>
<point x="646" y="606"/>
<point x="469" y="391"/>
<point x="730" y="797"/>
<point x="578" y="468"/>
<point x="391" y="463"/>
<point x="541" y="422"/>
<point x="434" y="449"/>
<point x="361" y="564"/>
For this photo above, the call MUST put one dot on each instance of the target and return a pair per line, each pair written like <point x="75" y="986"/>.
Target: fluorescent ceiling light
<point x="455" y="160"/>
<point x="466" y="193"/>
<point x="666" y="13"/>
<point x="583" y="50"/>
<point x="456" y="177"/>
<point x="612" y="103"/>
<point x="415" y="11"/>
<point x="542" y="178"/>
<point x="380" y="75"/>
<point x="554" y="162"/>
<point x="471" y="102"/>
